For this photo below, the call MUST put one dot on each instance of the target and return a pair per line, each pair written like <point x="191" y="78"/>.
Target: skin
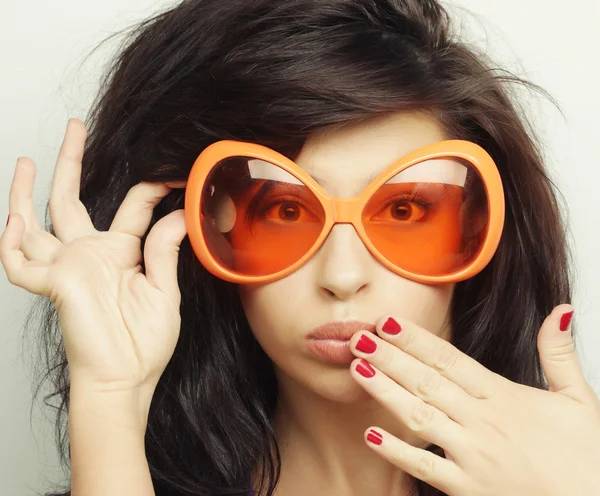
<point x="421" y="390"/>
<point x="120" y="326"/>
<point x="323" y="412"/>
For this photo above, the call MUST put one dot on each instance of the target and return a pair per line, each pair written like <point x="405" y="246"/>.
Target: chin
<point x="348" y="392"/>
<point x="329" y="381"/>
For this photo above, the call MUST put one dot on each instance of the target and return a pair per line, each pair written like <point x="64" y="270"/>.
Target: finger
<point x="558" y="356"/>
<point x="423" y="419"/>
<point x="36" y="244"/>
<point x="176" y="184"/>
<point x="438" y="353"/>
<point x="161" y="253"/>
<point x="20" y="196"/>
<point x="69" y="216"/>
<point x="417" y="378"/>
<point x="29" y="275"/>
<point x="135" y="213"/>
<point x="436" y="471"/>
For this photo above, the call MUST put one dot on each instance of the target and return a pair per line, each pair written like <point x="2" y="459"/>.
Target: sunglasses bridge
<point x="343" y="210"/>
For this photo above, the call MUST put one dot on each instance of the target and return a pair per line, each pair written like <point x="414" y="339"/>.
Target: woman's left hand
<point x="499" y="437"/>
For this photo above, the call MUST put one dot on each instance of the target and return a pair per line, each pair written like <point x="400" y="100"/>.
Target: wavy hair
<point x="273" y="72"/>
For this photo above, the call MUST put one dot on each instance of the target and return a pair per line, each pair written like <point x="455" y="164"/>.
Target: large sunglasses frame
<point x="345" y="210"/>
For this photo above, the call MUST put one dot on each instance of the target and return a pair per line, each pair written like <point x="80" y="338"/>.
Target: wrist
<point x="125" y="408"/>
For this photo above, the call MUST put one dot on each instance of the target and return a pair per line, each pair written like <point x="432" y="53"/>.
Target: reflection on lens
<point x="257" y="218"/>
<point x="430" y="219"/>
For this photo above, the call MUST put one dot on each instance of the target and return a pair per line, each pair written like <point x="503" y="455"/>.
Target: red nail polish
<point x="565" y="320"/>
<point x="366" y="344"/>
<point x="391" y="326"/>
<point x="7" y="219"/>
<point x="374" y="437"/>
<point x="364" y="368"/>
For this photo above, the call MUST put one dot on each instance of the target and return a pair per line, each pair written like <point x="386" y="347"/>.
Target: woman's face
<point x="343" y="281"/>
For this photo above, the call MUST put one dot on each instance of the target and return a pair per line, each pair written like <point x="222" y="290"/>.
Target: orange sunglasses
<point x="434" y="216"/>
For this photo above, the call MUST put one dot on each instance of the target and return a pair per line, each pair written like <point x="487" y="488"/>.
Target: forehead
<point x="344" y="160"/>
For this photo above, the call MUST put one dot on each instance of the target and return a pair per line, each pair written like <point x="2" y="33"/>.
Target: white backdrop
<point x="44" y="81"/>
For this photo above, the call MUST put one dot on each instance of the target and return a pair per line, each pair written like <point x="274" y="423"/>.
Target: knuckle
<point x="148" y="194"/>
<point x="14" y="276"/>
<point x="385" y="358"/>
<point x="421" y="416"/>
<point x="447" y="358"/>
<point x="9" y="273"/>
<point x="386" y="395"/>
<point x="563" y="353"/>
<point x="425" y="467"/>
<point x="408" y="340"/>
<point x="430" y="383"/>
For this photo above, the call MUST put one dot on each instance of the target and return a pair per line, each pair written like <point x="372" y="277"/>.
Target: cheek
<point x="271" y="310"/>
<point x="431" y="310"/>
<point x="426" y="305"/>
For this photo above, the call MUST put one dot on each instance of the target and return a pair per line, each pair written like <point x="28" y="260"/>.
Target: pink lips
<point x="330" y="341"/>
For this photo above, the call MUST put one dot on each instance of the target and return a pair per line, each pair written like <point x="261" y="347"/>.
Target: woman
<point x="203" y="365"/>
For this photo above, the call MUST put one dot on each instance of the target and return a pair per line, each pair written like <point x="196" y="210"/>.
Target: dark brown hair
<point x="272" y="72"/>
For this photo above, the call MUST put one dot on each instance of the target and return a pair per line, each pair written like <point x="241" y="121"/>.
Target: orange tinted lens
<point x="430" y="219"/>
<point x="257" y="218"/>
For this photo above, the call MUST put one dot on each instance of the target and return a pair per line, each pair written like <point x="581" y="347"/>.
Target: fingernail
<point x="565" y="320"/>
<point x="391" y="326"/>
<point x="366" y="344"/>
<point x="374" y="437"/>
<point x="7" y="219"/>
<point x="364" y="368"/>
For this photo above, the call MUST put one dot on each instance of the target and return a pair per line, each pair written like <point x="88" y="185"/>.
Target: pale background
<point x="43" y="83"/>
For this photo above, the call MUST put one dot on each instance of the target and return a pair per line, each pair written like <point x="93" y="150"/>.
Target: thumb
<point x="557" y="353"/>
<point x="161" y="253"/>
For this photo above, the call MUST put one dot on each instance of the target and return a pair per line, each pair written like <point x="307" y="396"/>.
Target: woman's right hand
<point x="119" y="325"/>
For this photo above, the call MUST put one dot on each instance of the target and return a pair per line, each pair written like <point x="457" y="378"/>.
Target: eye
<point x="407" y="211"/>
<point x="402" y="210"/>
<point x="287" y="211"/>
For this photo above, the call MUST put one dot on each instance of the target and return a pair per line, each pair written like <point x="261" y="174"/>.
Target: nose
<point x="344" y="263"/>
